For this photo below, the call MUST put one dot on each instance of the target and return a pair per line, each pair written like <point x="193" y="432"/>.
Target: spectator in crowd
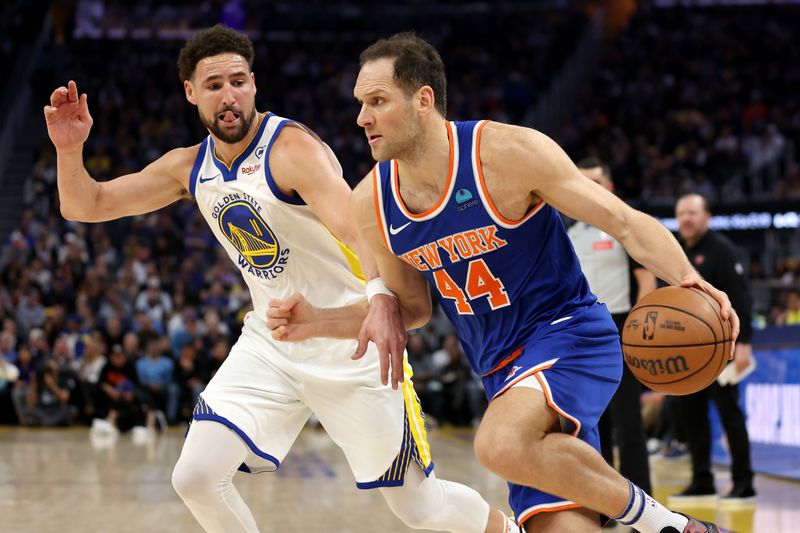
<point x="27" y="366"/>
<point x="791" y="315"/>
<point x="48" y="398"/>
<point x="155" y="303"/>
<point x="119" y="407"/>
<point x="191" y="373"/>
<point x="89" y="368"/>
<point x="155" y="372"/>
<point x="8" y="350"/>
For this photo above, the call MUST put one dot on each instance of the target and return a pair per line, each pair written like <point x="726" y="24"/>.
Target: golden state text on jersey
<point x="240" y="220"/>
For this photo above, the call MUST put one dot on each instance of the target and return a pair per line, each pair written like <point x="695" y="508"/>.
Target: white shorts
<point x="266" y="389"/>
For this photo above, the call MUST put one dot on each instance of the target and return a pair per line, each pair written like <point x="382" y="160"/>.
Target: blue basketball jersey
<point x="500" y="281"/>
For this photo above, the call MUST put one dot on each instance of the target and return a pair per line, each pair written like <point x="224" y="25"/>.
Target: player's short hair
<point x="417" y="64"/>
<point x="703" y="200"/>
<point x="213" y="41"/>
<point x="594" y="162"/>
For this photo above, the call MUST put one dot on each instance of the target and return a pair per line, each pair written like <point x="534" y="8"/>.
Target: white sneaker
<point x="142" y="435"/>
<point x="101" y="426"/>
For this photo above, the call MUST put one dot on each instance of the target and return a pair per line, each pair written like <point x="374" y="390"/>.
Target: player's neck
<point x="226" y="152"/>
<point x="430" y="163"/>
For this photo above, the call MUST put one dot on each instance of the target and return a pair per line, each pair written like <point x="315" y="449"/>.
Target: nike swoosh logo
<point x="395" y="231"/>
<point x="203" y="180"/>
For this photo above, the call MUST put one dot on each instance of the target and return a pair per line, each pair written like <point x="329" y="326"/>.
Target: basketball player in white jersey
<point x="274" y="197"/>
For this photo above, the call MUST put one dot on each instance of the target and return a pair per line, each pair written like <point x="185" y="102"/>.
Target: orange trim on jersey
<point x="531" y="371"/>
<point x="524" y="518"/>
<point x="505" y="362"/>
<point x="378" y="213"/>
<point x="482" y="181"/>
<point x="445" y="192"/>
<point x="548" y="396"/>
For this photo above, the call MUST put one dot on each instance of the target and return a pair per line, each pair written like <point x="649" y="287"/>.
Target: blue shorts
<point x="578" y="364"/>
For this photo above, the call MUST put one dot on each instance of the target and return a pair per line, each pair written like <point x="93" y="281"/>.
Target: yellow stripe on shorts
<point x="414" y="446"/>
<point x="415" y="417"/>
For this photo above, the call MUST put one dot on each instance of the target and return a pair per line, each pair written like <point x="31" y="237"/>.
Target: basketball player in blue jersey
<point x="272" y="193"/>
<point x="471" y="208"/>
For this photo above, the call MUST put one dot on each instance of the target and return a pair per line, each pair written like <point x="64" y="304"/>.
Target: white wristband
<point x="375" y="286"/>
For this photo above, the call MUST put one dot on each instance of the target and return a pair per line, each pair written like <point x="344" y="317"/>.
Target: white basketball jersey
<point x="280" y="246"/>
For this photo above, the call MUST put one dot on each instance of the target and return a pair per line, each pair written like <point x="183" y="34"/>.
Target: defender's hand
<point x="726" y="309"/>
<point x="68" y="119"/>
<point x="292" y="319"/>
<point x="384" y="326"/>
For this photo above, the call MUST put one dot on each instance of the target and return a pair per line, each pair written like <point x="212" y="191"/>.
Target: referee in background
<point x="716" y="258"/>
<point x="618" y="282"/>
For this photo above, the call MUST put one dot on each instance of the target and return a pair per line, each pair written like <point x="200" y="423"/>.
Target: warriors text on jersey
<point x="280" y="246"/>
<point x="500" y="281"/>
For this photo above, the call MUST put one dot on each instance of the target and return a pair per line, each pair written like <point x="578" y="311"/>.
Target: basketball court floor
<point x="59" y="481"/>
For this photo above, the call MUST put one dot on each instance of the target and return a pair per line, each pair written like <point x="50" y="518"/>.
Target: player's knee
<point x="500" y="450"/>
<point x="418" y="506"/>
<point x="418" y="518"/>
<point x="192" y="482"/>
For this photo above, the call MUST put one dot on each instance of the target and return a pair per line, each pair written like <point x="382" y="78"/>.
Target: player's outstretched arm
<point x="533" y="163"/>
<point x="84" y="199"/>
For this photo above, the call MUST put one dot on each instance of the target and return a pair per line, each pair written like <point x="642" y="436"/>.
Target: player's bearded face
<point x="404" y="142"/>
<point x="216" y="123"/>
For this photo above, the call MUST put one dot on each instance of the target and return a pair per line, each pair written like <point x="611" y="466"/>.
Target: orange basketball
<point x="674" y="340"/>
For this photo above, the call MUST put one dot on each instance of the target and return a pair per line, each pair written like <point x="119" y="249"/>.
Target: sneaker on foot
<point x="696" y="526"/>
<point x="740" y="493"/>
<point x="694" y="492"/>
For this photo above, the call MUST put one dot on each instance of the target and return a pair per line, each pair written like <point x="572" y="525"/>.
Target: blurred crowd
<point x="126" y="321"/>
<point x="700" y="100"/>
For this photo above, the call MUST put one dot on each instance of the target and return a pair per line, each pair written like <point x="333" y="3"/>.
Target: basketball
<point x="675" y="341"/>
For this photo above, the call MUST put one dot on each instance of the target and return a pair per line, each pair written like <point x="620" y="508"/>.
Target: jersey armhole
<point x="377" y="195"/>
<point x="276" y="191"/>
<point x="198" y="161"/>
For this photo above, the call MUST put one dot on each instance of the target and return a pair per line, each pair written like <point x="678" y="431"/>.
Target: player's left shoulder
<point x="292" y="142"/>
<point x="295" y="157"/>
<point x="502" y="143"/>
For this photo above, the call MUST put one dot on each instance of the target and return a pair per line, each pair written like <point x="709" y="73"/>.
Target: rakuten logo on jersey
<point x="252" y="169"/>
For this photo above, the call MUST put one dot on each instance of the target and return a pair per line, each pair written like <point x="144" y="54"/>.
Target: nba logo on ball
<point x="649" y="330"/>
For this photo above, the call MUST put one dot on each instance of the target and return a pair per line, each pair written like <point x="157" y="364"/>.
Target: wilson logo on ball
<point x="649" y="330"/>
<point x="670" y="365"/>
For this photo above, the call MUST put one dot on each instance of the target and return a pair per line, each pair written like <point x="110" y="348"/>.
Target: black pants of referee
<point x="622" y="423"/>
<point x="693" y="410"/>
